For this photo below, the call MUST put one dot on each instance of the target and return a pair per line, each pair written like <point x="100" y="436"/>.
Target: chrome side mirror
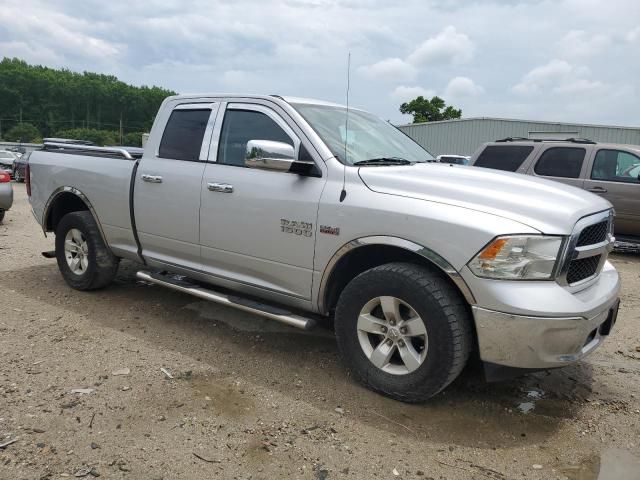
<point x="269" y="155"/>
<point x="275" y="156"/>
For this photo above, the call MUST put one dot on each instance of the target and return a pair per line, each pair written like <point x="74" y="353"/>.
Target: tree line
<point x="38" y="101"/>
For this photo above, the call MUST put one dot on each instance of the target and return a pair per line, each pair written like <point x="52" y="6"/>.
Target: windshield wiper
<point x="383" y="161"/>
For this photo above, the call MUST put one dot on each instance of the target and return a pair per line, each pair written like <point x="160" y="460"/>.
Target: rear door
<point x="167" y="186"/>
<point x="562" y="164"/>
<point x="258" y="227"/>
<point x="613" y="174"/>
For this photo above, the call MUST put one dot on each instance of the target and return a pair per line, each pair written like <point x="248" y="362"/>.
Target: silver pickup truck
<point x="297" y="209"/>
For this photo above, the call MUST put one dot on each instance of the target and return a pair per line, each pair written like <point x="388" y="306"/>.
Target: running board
<point x="185" y="286"/>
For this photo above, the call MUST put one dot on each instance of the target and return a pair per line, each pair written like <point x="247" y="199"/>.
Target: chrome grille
<point x="593" y="234"/>
<point x="582" y="268"/>
<point x="587" y="249"/>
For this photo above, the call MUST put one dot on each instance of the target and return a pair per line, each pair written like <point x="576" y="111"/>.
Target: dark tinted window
<point x="561" y="162"/>
<point x="616" y="166"/>
<point x="239" y="127"/>
<point x="503" y="157"/>
<point x="182" y="137"/>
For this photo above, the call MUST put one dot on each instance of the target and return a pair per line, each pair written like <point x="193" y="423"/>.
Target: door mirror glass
<point x="274" y="156"/>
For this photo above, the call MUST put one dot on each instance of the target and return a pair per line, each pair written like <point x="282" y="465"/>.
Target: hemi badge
<point x="329" y="230"/>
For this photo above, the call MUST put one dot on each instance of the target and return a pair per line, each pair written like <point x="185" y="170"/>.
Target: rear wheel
<point x="83" y="259"/>
<point x="403" y="331"/>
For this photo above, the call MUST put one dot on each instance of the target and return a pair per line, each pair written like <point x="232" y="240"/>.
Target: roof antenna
<point x="343" y="193"/>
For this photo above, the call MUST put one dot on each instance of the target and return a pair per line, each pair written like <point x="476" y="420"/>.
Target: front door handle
<point x="151" y="178"/>
<point x="598" y="190"/>
<point x="220" y="187"/>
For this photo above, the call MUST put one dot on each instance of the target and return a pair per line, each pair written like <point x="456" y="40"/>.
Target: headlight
<point x="518" y="258"/>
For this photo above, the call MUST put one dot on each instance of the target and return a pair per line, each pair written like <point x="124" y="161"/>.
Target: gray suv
<point x="609" y="170"/>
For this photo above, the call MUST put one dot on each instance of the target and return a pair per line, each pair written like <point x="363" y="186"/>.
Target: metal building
<point x="464" y="136"/>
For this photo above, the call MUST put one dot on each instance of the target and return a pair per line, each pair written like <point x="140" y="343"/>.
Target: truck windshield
<point x="366" y="137"/>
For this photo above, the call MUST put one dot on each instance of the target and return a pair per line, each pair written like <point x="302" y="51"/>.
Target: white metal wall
<point x="464" y="136"/>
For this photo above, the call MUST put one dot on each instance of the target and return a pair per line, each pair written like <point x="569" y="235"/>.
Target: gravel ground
<point x="252" y="399"/>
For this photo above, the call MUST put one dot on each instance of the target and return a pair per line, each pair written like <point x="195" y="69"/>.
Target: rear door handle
<point x="220" y="187"/>
<point x="151" y="178"/>
<point x="598" y="190"/>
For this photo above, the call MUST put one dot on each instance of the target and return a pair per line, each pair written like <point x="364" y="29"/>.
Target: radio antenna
<point x="343" y="193"/>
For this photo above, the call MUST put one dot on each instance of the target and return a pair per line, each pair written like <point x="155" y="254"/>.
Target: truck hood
<point x="547" y="206"/>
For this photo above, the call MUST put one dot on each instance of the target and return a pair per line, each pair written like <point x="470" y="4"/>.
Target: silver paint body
<point x="221" y="224"/>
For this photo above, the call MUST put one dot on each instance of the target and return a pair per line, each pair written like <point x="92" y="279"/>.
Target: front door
<point x="257" y="227"/>
<point x="614" y="175"/>
<point x="167" y="187"/>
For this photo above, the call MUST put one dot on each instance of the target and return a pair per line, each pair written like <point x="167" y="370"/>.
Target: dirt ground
<point x="253" y="399"/>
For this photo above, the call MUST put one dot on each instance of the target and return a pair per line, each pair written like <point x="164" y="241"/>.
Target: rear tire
<point x="84" y="260"/>
<point x="403" y="331"/>
<point x="1" y="215"/>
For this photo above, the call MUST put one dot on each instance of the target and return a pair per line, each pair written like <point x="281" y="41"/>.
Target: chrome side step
<point x="245" y="304"/>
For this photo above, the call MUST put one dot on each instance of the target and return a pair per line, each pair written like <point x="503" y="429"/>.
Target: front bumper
<point x="548" y="339"/>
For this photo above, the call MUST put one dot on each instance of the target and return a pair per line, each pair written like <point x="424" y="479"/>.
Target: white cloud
<point x="578" y="43"/>
<point x="459" y="87"/>
<point x="390" y="69"/>
<point x="448" y="46"/>
<point x="633" y="35"/>
<point x="403" y="93"/>
<point x="557" y="76"/>
<point x="580" y="85"/>
<point x="199" y="46"/>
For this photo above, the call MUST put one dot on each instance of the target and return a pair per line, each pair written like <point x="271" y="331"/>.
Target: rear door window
<point x="563" y="162"/>
<point x="503" y="157"/>
<point x="182" y="137"/>
<point x="616" y="166"/>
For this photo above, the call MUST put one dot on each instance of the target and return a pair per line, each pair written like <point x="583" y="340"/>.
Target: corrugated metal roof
<point x="464" y="136"/>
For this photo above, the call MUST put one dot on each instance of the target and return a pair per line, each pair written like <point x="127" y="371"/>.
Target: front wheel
<point x="403" y="331"/>
<point x="83" y="258"/>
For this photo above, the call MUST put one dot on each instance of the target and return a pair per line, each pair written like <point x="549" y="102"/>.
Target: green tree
<point x="98" y="137"/>
<point x="133" y="139"/>
<point x="23" y="132"/>
<point x="55" y="100"/>
<point x="425" y="110"/>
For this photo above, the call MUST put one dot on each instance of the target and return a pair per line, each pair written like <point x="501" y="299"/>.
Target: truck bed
<point x="102" y="176"/>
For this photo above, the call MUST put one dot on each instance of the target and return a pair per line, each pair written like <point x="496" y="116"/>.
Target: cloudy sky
<point x="563" y="60"/>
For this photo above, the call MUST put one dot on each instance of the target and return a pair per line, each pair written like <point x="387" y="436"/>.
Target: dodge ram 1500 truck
<point x="295" y="209"/>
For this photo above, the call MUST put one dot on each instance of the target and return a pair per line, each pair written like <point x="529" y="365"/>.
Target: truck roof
<point x="288" y="99"/>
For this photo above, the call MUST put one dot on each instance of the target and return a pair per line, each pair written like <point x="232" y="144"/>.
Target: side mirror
<point x="275" y="156"/>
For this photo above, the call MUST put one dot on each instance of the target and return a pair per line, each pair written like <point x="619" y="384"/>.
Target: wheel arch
<point x="364" y="253"/>
<point x="66" y="200"/>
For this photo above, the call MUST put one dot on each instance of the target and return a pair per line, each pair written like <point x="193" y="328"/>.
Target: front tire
<point x="403" y="331"/>
<point x="84" y="260"/>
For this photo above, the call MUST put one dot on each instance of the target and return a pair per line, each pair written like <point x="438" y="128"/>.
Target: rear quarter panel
<point x="104" y="181"/>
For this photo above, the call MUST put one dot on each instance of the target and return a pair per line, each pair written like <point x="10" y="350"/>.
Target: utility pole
<point x="121" y="127"/>
<point x="21" y="114"/>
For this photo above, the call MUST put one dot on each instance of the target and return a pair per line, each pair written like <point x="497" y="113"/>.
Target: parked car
<point x="6" y="193"/>
<point x="268" y="205"/>
<point x="20" y="166"/>
<point x="453" y="159"/>
<point x="609" y="170"/>
<point x="6" y="160"/>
